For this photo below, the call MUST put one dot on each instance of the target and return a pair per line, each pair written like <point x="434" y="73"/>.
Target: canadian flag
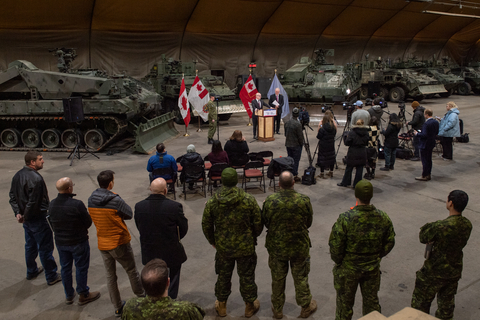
<point x="247" y="94"/>
<point x="199" y="97"/>
<point x="183" y="104"/>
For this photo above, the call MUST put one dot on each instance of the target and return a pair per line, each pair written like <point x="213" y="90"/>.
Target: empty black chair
<point x="194" y="174"/>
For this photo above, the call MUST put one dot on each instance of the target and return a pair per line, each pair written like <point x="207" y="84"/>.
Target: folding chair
<point x="170" y="182"/>
<point x="215" y="174"/>
<point x="254" y="169"/>
<point x="193" y="170"/>
<point x="266" y="154"/>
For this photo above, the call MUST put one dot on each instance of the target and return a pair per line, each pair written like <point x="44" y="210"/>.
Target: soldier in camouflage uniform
<point x="287" y="215"/>
<point x="157" y="304"/>
<point x="360" y="238"/>
<point x="231" y="223"/>
<point x="212" y="118"/>
<point x="443" y="268"/>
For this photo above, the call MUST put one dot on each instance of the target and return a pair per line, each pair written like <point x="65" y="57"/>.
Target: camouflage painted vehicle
<point x="472" y="79"/>
<point x="165" y="77"/>
<point x="398" y="82"/>
<point x="321" y="83"/>
<point x="32" y="111"/>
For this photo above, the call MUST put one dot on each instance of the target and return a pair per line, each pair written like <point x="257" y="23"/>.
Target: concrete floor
<point x="409" y="203"/>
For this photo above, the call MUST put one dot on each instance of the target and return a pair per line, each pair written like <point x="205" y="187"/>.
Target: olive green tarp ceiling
<point x="121" y="35"/>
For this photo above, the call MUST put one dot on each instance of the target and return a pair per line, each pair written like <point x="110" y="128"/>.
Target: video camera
<point x="218" y="97"/>
<point x="325" y="108"/>
<point x="401" y="105"/>
<point x="382" y="103"/>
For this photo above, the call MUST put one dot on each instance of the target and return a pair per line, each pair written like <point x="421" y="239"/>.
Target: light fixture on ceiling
<point x="453" y="3"/>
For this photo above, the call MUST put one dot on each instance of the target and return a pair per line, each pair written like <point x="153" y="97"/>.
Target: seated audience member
<point x="237" y="149"/>
<point x="188" y="159"/>
<point x="157" y="304"/>
<point x="161" y="160"/>
<point x="217" y="155"/>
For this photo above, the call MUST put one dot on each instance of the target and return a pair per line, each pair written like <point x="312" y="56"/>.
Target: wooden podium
<point x="265" y="124"/>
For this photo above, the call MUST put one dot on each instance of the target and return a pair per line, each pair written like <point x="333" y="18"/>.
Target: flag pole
<point x="250" y="119"/>
<point x="199" y="129"/>
<point x="188" y="110"/>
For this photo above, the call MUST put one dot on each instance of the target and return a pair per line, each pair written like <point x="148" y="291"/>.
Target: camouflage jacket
<point x="212" y="111"/>
<point x="232" y="222"/>
<point x="449" y="237"/>
<point x="163" y="308"/>
<point x="293" y="133"/>
<point x="287" y="215"/>
<point x="361" y="237"/>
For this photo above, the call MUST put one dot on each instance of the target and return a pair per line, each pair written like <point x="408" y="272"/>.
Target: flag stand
<point x="186" y="132"/>
<point x="199" y="130"/>
<point x="249" y="122"/>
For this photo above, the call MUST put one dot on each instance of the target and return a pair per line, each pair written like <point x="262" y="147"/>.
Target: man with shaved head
<point x="70" y="222"/>
<point x="287" y="215"/>
<point x="162" y="224"/>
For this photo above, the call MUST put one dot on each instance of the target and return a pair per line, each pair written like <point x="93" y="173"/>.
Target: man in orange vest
<point x="108" y="212"/>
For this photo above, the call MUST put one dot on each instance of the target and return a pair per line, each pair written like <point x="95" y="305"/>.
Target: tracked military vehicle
<point x="165" y="77"/>
<point x="32" y="110"/>
<point x="319" y="82"/>
<point x="396" y="83"/>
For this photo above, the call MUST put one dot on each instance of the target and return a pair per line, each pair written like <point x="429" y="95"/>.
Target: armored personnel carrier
<point x="165" y="77"/>
<point x="398" y="82"/>
<point x="472" y="79"/>
<point x="321" y="83"/>
<point x="32" y="110"/>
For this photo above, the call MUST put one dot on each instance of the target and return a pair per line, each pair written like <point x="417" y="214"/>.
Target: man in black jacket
<point x="162" y="224"/>
<point x="29" y="201"/>
<point x="70" y="221"/>
<point x="418" y="119"/>
<point x="278" y="98"/>
<point x="257" y="104"/>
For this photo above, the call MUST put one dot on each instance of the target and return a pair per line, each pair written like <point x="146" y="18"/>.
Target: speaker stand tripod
<point x="78" y="146"/>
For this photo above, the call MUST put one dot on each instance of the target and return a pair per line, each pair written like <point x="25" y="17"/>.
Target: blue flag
<point x="276" y="84"/>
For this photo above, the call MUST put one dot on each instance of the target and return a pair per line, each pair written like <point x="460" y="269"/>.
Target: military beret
<point x="229" y="177"/>
<point x="364" y="190"/>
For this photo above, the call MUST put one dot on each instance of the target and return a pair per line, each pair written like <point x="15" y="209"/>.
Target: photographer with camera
<point x="212" y="118"/>
<point x="294" y="140"/>
<point x="418" y="119"/>
<point x="377" y="111"/>
<point x="359" y="113"/>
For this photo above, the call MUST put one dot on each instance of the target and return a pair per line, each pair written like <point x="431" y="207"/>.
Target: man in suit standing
<point x="162" y="224"/>
<point x="257" y="103"/>
<point x="427" y="140"/>
<point x="279" y="99"/>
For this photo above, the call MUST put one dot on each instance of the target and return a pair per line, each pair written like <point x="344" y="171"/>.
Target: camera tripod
<point x="346" y="129"/>
<point x="307" y="145"/>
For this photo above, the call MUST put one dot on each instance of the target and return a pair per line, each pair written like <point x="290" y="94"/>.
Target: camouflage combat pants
<point x="346" y="282"/>
<point x="425" y="290"/>
<point x="300" y="270"/>
<point x="212" y="127"/>
<point x="246" y="272"/>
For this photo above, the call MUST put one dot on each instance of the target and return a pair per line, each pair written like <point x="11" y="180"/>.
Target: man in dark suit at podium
<point x="279" y="99"/>
<point x="257" y="103"/>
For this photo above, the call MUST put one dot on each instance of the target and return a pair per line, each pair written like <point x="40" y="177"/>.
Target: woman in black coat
<point x="357" y="140"/>
<point x="237" y="149"/>
<point x="391" y="141"/>
<point x="326" y="144"/>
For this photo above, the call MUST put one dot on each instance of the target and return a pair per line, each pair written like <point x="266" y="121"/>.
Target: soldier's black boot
<point x="210" y="141"/>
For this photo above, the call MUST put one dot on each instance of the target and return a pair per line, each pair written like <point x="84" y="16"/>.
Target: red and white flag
<point x="183" y="104"/>
<point x="199" y="97"/>
<point x="247" y="94"/>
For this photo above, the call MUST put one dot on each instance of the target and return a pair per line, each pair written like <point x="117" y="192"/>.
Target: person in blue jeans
<point x="70" y="221"/>
<point x="29" y="201"/>
<point x="391" y="141"/>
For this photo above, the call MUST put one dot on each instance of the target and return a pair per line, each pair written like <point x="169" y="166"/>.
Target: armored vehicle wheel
<point x="363" y="93"/>
<point x="10" y="138"/>
<point x="110" y="126"/>
<point x="31" y="138"/>
<point x="464" y="89"/>
<point x="95" y="138"/>
<point x="383" y="93"/>
<point x="69" y="138"/>
<point x="51" y="138"/>
<point x="396" y="94"/>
